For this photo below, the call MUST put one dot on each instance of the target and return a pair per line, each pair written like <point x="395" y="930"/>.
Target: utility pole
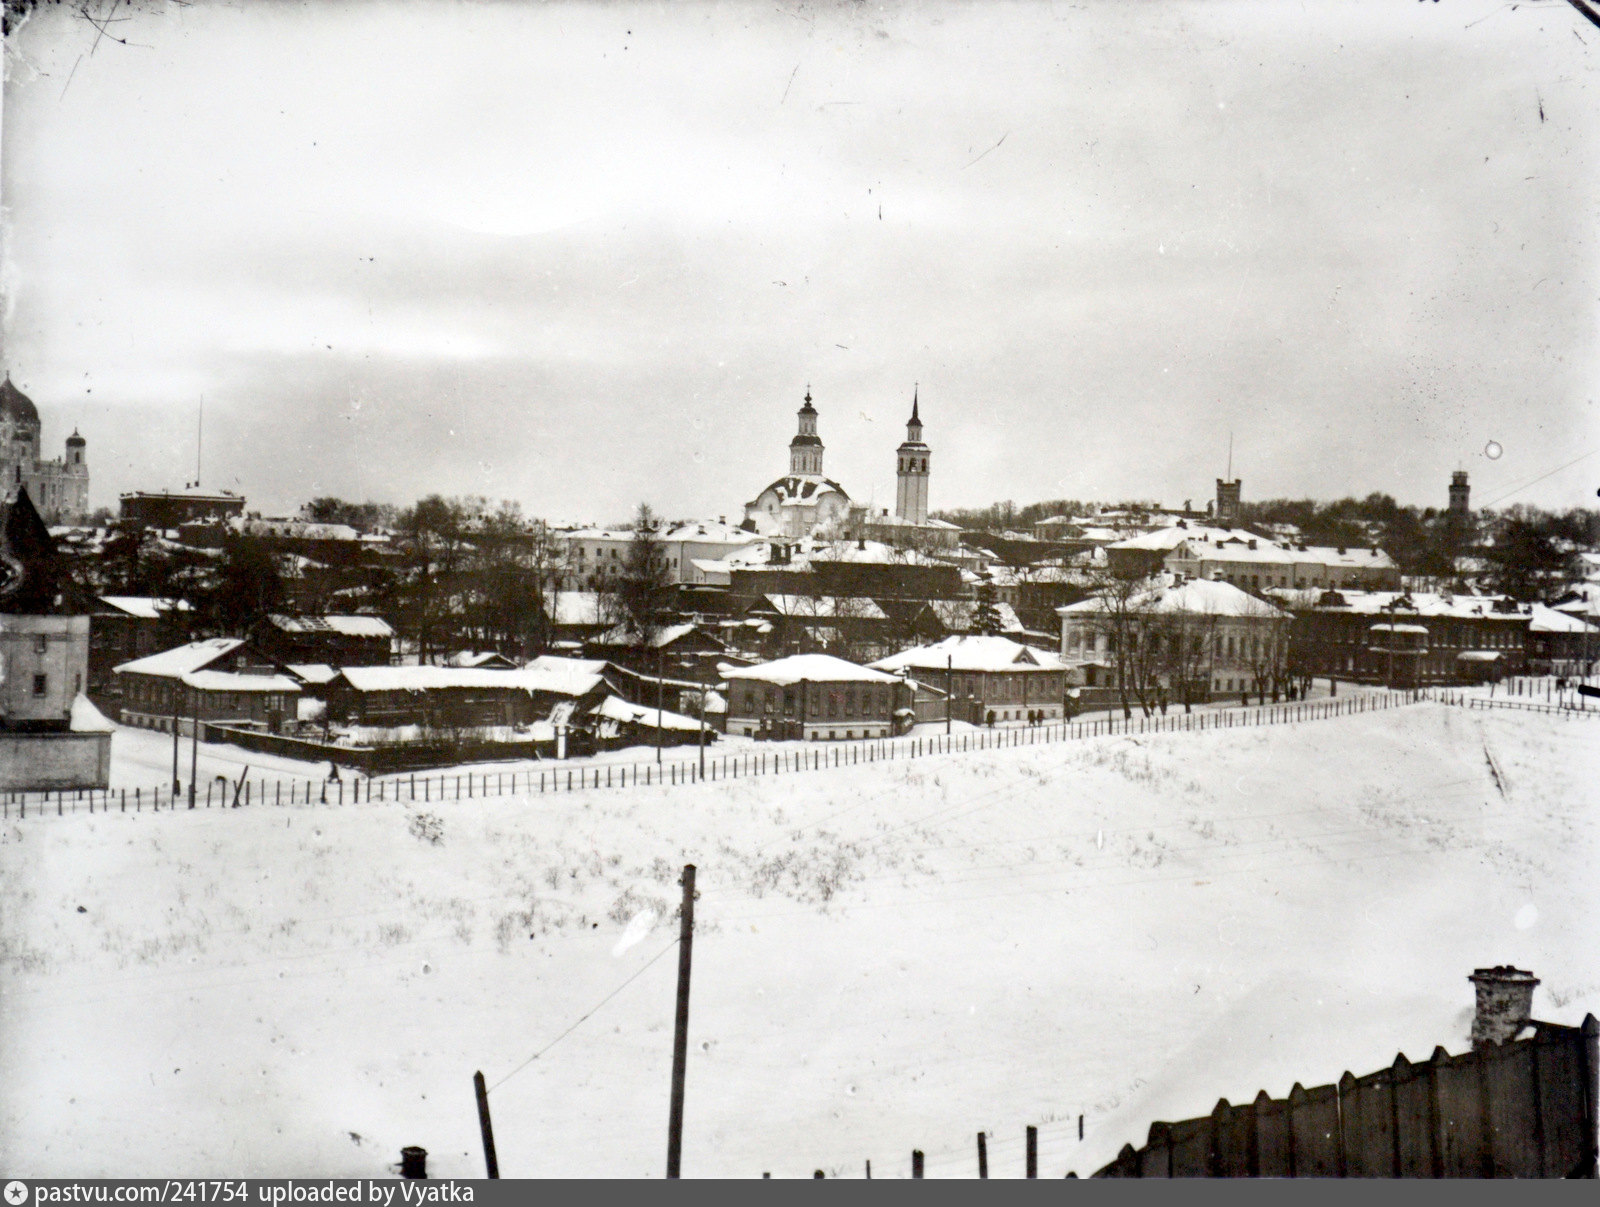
<point x="949" y="690"/>
<point x="659" y="688"/>
<point x="680" y="1031"/>
<point x="485" y="1126"/>
<point x="702" y="730"/>
<point x="194" y="742"/>
<point x="176" y="717"/>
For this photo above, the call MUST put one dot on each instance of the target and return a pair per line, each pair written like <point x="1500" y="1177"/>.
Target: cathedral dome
<point x="17" y="406"/>
<point x="75" y="440"/>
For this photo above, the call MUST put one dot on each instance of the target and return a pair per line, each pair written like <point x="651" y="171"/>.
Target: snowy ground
<point x="889" y="956"/>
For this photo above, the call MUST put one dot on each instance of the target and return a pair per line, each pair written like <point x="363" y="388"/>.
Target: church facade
<point x="59" y="489"/>
<point x="802" y="503"/>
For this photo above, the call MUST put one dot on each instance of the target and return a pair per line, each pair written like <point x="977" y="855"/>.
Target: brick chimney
<point x="1505" y="1004"/>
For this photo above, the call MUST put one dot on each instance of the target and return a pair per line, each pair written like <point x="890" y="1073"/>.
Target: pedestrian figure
<point x="333" y="772"/>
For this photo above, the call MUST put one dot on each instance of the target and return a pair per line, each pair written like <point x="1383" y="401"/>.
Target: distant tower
<point x="911" y="472"/>
<point x="805" y="450"/>
<point x="1460" y="493"/>
<point x="1228" y="501"/>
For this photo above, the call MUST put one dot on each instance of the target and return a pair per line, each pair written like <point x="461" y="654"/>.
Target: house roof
<point x="227" y="681"/>
<point x="312" y="672"/>
<point x="145" y="607"/>
<point x="970" y="652"/>
<point x="184" y="660"/>
<point x="1549" y="620"/>
<point x="615" y="709"/>
<point x="624" y="636"/>
<point x="437" y="678"/>
<point x="832" y="607"/>
<point x="809" y="668"/>
<point x="345" y="626"/>
<point x="1199" y="596"/>
<point x="1417" y="603"/>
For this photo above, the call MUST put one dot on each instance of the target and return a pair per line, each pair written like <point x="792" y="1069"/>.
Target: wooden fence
<point x="560" y="777"/>
<point x="1524" y="1109"/>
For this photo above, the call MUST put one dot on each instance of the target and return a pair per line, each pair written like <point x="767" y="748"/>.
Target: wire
<point x="1524" y="486"/>
<point x="582" y="1017"/>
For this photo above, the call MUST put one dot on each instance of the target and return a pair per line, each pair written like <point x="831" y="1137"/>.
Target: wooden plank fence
<point x="558" y="777"/>
<point x="1524" y="1109"/>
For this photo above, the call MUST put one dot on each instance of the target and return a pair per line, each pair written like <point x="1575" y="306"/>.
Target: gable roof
<point x="971" y="652"/>
<point x="184" y="660"/>
<point x="345" y="626"/>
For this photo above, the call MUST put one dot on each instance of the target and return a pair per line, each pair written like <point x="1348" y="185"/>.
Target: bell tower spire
<point x="911" y="470"/>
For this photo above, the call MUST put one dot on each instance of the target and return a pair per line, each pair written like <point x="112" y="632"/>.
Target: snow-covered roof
<point x="957" y="614"/>
<point x="175" y="663"/>
<point x="145" y="607"/>
<point x="1548" y="620"/>
<point x="709" y="531"/>
<point x="345" y="626"/>
<point x="1390" y="627"/>
<point x="810" y="668"/>
<point x="571" y="666"/>
<point x="803" y="490"/>
<point x="312" y="672"/>
<point x="476" y="658"/>
<point x="829" y="606"/>
<point x="1419" y="603"/>
<point x="434" y="678"/>
<point x="1165" y="539"/>
<point x="305" y="530"/>
<point x="615" y="709"/>
<point x="1199" y="596"/>
<point x="227" y="681"/>
<point x="971" y="652"/>
<point x="622" y="634"/>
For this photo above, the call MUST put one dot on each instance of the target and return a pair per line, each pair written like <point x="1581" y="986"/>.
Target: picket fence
<point x="426" y="789"/>
<point x="1524" y="1109"/>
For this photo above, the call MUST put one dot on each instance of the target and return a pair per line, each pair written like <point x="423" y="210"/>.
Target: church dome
<point x="75" y="440"/>
<point x="17" y="406"/>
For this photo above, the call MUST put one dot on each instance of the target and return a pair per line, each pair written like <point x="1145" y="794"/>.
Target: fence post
<point x="1033" y="1151"/>
<point x="983" y="1156"/>
<point x="916" y="1162"/>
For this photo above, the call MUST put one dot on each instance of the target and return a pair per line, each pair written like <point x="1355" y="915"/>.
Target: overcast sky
<point x="583" y="255"/>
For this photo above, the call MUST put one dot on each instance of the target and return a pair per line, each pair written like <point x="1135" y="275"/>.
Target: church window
<point x="40" y="684"/>
<point x="41" y="644"/>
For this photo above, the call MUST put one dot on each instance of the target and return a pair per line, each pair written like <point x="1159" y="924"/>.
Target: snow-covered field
<point x="888" y="956"/>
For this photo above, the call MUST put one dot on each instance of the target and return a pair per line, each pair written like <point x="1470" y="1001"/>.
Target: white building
<point x="59" y="489"/>
<point x="1211" y="635"/>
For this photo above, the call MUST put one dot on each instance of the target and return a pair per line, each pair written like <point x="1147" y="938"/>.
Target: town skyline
<point x="538" y="271"/>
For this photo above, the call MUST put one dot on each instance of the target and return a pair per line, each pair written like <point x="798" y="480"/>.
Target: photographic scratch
<point x="1003" y="137"/>
<point x="787" y="86"/>
<point x="70" y="74"/>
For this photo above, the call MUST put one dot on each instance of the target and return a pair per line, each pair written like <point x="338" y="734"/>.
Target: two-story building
<point x="816" y="697"/>
<point x="222" y="680"/>
<point x="1406" y="638"/>
<point x="988" y="678"/>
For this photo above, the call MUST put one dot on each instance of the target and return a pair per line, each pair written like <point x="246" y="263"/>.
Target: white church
<point x="804" y="503"/>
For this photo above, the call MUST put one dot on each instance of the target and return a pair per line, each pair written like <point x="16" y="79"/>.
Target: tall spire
<point x="914" y="418"/>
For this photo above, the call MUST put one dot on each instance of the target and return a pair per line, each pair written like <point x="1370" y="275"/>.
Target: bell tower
<point x="911" y="471"/>
<point x="805" y="450"/>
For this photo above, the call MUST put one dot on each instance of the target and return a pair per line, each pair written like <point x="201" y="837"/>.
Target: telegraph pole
<point x="194" y="742"/>
<point x="659" y="688"/>
<point x="949" y="690"/>
<point x="177" y="715"/>
<point x="680" y="1034"/>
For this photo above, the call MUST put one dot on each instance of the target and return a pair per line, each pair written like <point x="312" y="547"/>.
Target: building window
<point x="41" y="684"/>
<point x="41" y="644"/>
